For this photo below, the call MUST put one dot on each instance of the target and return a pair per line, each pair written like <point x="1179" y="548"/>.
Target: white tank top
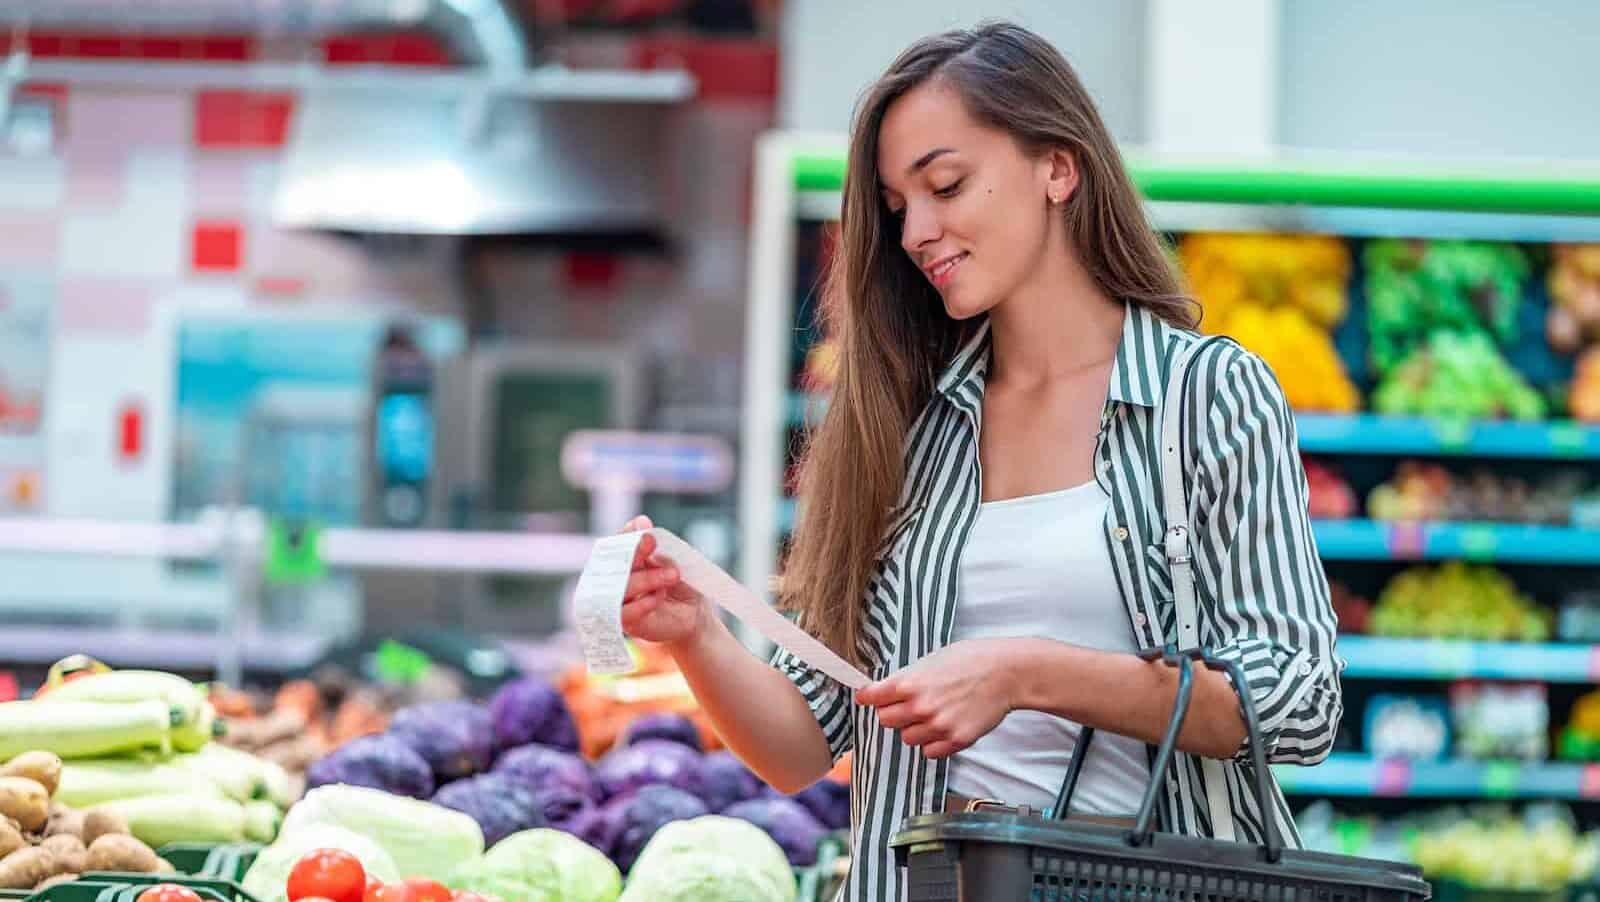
<point x="1038" y="566"/>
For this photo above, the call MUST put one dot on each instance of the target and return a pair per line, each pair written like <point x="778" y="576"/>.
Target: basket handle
<point x="1142" y="832"/>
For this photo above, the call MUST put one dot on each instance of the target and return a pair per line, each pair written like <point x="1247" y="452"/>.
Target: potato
<point x="11" y="839"/>
<point x="64" y="821"/>
<point x="26" y="801"/>
<point x="52" y="881"/>
<point x="102" y="822"/>
<point x="43" y="768"/>
<point x="165" y="867"/>
<point x="27" y="868"/>
<point x="69" y="851"/>
<point x="118" y="852"/>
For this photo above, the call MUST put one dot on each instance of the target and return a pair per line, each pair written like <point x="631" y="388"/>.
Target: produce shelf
<point x="1365" y="433"/>
<point x="1374" y="434"/>
<point x="1376" y="657"/>
<point x="1357" y="775"/>
<point x="1510" y="543"/>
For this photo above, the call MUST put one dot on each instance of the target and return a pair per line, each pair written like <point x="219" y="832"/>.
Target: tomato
<point x="169" y="892"/>
<point x="389" y="892"/>
<point x="465" y="896"/>
<point x="425" y="890"/>
<point x="330" y="873"/>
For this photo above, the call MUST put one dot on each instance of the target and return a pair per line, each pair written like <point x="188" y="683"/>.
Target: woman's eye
<point x="950" y="189"/>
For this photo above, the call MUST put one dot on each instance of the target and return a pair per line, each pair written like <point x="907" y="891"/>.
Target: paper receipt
<point x="598" y="606"/>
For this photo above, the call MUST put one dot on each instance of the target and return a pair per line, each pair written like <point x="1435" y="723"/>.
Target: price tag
<point x="1452" y="659"/>
<point x="1594" y="663"/>
<point x="1500" y="778"/>
<point x="1394" y="777"/>
<point x="1567" y="439"/>
<point x="1406" y="541"/>
<point x="1589" y="782"/>
<point x="1452" y="434"/>
<point x="1479" y="543"/>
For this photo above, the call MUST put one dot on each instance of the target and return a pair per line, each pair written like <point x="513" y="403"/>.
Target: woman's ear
<point x="1062" y="178"/>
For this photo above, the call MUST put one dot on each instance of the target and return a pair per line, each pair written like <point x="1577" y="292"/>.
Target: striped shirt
<point x="1263" y="597"/>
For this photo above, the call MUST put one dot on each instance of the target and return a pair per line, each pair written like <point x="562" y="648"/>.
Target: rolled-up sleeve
<point x="1257" y="568"/>
<point x="829" y="701"/>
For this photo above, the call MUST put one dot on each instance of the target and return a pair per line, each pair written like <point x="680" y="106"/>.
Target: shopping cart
<point x="1018" y="858"/>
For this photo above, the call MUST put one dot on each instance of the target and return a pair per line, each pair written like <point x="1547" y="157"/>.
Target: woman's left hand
<point x="949" y="699"/>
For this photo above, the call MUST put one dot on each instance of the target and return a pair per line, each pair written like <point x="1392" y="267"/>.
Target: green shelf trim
<point x="1324" y="185"/>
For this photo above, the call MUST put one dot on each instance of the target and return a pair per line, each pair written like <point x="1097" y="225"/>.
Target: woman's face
<point x="972" y="208"/>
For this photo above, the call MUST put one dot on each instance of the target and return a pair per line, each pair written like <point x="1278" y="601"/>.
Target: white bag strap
<point x="1176" y="542"/>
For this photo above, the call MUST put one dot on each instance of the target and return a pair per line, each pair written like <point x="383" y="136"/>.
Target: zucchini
<point x="133" y="686"/>
<point x="159" y="820"/>
<point x="84" y="729"/>
<point x="240" y="775"/>
<point x="85" y="784"/>
<point x="191" y="735"/>
<point x="261" y="821"/>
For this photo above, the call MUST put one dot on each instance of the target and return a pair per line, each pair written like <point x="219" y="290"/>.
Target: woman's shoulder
<point x="1229" y="372"/>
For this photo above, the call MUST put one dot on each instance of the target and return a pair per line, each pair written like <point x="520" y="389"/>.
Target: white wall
<point x="832" y="49"/>
<point x="1474" y="79"/>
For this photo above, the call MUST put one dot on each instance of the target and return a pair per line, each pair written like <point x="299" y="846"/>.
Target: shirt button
<point x="1140" y="619"/>
<point x="1305" y="669"/>
<point x="1105" y="466"/>
<point x="1120" y="533"/>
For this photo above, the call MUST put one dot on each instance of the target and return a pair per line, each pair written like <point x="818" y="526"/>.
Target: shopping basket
<point x="1019" y="858"/>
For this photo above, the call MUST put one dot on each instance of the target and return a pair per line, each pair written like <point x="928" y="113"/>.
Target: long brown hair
<point x="894" y="335"/>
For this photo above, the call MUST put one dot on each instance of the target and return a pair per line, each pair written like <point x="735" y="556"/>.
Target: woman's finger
<point x="645" y="581"/>
<point x="644" y="552"/>
<point x="921" y="734"/>
<point x="897" y="716"/>
<point x="944" y="748"/>
<point x="883" y="692"/>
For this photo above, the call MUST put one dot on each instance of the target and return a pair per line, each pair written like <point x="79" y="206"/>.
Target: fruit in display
<point x="1458" y="601"/>
<point x="1580" y="739"/>
<point x="1574" y="284"/>
<point x="1457" y="375"/>
<point x="1278" y="295"/>
<point x="1331" y="497"/>
<point x="1584" y="397"/>
<point x="1506" y="854"/>
<point x="1353" y="611"/>
<point x="1417" y="289"/>
<point x="1421" y="491"/>
<point x="329" y="874"/>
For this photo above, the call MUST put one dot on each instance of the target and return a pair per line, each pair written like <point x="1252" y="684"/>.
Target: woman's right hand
<point x="658" y="606"/>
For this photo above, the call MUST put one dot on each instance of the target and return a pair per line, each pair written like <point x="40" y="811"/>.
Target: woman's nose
<point x="919" y="228"/>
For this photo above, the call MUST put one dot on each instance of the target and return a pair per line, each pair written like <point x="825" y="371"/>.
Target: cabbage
<point x="531" y="710"/>
<point x="640" y="815"/>
<point x="711" y="859"/>
<point x="499" y="804"/>
<point x="828" y="801"/>
<point x="268" y="877"/>
<point x="647" y="762"/>
<point x="542" y="765"/>
<point x="787" y="822"/>
<point x="425" y="840"/>
<point x="456" y="738"/>
<point x="724" y="780"/>
<point x="541" y="866"/>
<point x="662" y="725"/>
<point x="381" y="762"/>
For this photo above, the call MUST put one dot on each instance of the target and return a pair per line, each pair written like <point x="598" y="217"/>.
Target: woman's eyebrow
<point x="927" y="158"/>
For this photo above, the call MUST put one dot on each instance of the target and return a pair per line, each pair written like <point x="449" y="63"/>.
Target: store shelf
<point x="1356" y="775"/>
<point x="1372" y="434"/>
<point x="1311" y="182"/>
<point x="1374" y="657"/>
<point x="1365" y="433"/>
<point x="1508" y="543"/>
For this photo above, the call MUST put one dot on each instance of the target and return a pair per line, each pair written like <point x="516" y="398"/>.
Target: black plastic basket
<point x="1018" y="858"/>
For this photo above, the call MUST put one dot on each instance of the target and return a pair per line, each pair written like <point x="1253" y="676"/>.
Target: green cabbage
<point x="268" y="878"/>
<point x="424" y="839"/>
<point x="542" y="866"/>
<point x="711" y="859"/>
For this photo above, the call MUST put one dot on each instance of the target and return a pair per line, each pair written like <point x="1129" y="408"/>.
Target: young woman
<point x="981" y="523"/>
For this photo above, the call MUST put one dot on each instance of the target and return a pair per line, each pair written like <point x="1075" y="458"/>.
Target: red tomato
<point x="465" y="896"/>
<point x="389" y="892"/>
<point x="425" y="890"/>
<point x="169" y="892"/>
<point x="333" y="874"/>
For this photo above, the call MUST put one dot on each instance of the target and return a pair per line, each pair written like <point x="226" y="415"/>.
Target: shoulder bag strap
<point x="1176" y="542"/>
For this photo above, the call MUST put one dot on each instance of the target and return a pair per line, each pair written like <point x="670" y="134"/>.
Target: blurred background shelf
<point x="1374" y="657"/>
<point x="1507" y="543"/>
<point x="1373" y="434"/>
<point x="1355" y="775"/>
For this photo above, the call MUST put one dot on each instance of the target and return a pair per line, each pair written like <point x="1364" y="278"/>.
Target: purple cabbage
<point x="828" y="801"/>
<point x="541" y="766"/>
<point x="531" y="710"/>
<point x="725" y="780"/>
<point x="456" y="738"/>
<point x="378" y="762"/>
<point x="662" y="725"/>
<point x="559" y="804"/>
<point x="599" y="825"/>
<point x="501" y="806"/>
<point x="789" y="824"/>
<point x="645" y="812"/>
<point x="647" y="762"/>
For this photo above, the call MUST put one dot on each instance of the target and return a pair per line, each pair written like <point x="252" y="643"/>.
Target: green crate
<point x="225" y="890"/>
<point x="821" y="880"/>
<point x="76" y="891"/>
<point x="222" y="861"/>
<point x="1452" y="891"/>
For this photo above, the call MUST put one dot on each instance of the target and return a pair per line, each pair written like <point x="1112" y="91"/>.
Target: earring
<point x="1055" y="198"/>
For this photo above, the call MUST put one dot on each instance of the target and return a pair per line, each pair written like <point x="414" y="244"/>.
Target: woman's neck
<point x="1059" y="324"/>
